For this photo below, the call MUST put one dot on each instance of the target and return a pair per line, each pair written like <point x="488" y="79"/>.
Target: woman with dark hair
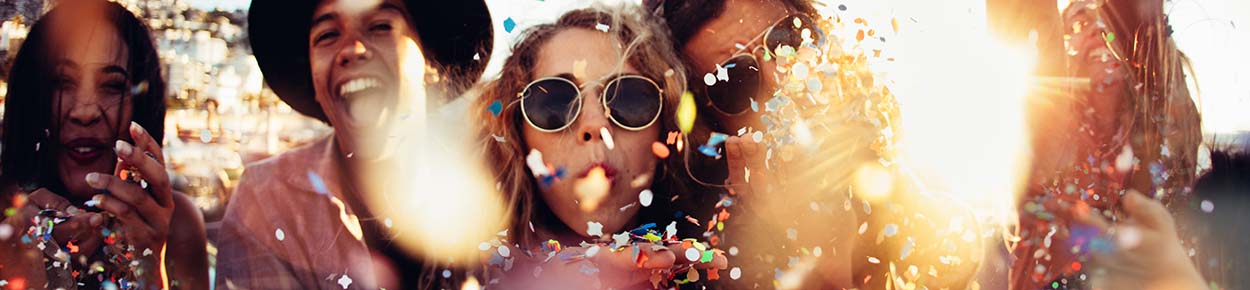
<point x="89" y="201"/>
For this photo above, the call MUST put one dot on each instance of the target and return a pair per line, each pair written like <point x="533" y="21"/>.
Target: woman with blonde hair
<point x="578" y="127"/>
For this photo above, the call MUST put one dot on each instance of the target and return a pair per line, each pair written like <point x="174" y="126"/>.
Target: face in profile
<point x="93" y="102"/>
<point x="600" y="180"/>
<point x="366" y="71"/>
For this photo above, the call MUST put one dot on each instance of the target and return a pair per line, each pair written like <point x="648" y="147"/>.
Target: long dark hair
<point x="29" y="126"/>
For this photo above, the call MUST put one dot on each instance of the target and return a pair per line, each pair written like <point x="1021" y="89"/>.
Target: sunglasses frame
<point x="603" y="101"/>
<point x="752" y="48"/>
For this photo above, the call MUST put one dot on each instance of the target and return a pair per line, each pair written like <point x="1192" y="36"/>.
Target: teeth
<point x="357" y="85"/>
<point x="83" y="149"/>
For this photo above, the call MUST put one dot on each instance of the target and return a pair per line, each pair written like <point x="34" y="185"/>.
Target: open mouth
<point x="359" y="86"/>
<point x="368" y="100"/>
<point x="85" y="150"/>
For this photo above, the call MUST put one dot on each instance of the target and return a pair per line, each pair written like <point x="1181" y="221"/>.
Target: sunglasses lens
<point x="786" y="33"/>
<point x="734" y="96"/>
<point x="633" y="102"/>
<point x="550" y="104"/>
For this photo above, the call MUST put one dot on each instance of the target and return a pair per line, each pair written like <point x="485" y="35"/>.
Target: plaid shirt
<point x="287" y="227"/>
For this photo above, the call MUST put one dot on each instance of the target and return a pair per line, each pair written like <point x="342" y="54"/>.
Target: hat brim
<point x="451" y="34"/>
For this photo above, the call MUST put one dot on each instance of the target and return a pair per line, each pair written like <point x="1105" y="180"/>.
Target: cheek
<point x="636" y="146"/>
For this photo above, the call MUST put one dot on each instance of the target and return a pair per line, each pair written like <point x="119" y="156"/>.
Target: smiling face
<point x="741" y="22"/>
<point x="93" y="104"/>
<point x="367" y="71"/>
<point x="590" y="58"/>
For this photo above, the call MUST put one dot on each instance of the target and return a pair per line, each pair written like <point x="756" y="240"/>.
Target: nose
<point x="591" y="121"/>
<point x="355" y="51"/>
<point x="85" y="112"/>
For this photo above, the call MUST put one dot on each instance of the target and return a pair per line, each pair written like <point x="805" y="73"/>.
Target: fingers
<point x="153" y="171"/>
<point x="1147" y="211"/>
<point x="684" y="256"/>
<point x="129" y="218"/>
<point x="737" y="164"/>
<point x="145" y="141"/>
<point x="650" y="256"/>
<point x="73" y="228"/>
<point x="745" y="163"/>
<point x="130" y="194"/>
<point x="44" y="199"/>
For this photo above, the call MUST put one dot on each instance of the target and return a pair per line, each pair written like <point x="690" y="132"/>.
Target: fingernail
<point x="93" y="179"/>
<point x="122" y="148"/>
<point x="94" y="202"/>
<point x="135" y="128"/>
<point x="95" y="220"/>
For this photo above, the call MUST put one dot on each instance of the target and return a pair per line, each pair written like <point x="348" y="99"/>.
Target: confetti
<point x="735" y="273"/>
<point x="495" y="107"/>
<point x="621" y="239"/>
<point x="592" y="251"/>
<point x="645" y="197"/>
<point x="659" y="149"/>
<point x="716" y="139"/>
<point x="890" y="230"/>
<point x="279" y="234"/>
<point x="318" y="184"/>
<point x="602" y="27"/>
<point x="1207" y="206"/>
<point x="504" y="251"/>
<point x="592" y="189"/>
<point x="594" y="229"/>
<point x="509" y="25"/>
<point x="607" y="138"/>
<point x="686" y="113"/>
<point x="345" y="281"/>
<point x="693" y="254"/>
<point x="709" y="79"/>
<point x="579" y="68"/>
<point x="535" y="162"/>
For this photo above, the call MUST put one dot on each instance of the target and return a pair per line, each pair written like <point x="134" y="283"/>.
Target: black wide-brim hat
<point x="451" y="34"/>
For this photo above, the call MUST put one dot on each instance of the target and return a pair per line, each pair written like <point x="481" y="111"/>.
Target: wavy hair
<point x="645" y="44"/>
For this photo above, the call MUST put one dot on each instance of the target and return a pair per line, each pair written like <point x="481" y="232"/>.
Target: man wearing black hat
<point x="298" y="220"/>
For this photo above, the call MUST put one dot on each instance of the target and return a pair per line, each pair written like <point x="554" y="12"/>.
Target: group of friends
<point x="612" y="134"/>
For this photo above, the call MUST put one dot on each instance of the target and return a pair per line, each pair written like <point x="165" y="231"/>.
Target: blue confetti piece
<point x="709" y="151"/>
<point x="642" y="230"/>
<point x="495" y="107"/>
<point x="716" y="139"/>
<point x="318" y="184"/>
<point x="509" y="25"/>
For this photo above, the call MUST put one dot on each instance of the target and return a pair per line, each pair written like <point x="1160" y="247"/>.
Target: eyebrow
<point x="391" y="6"/>
<point x="324" y="18"/>
<point x="114" y="69"/>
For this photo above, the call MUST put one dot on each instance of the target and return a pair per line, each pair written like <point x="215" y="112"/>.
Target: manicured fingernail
<point x="93" y="179"/>
<point x="96" y="220"/>
<point x="122" y="148"/>
<point x="135" y="128"/>
<point x="95" y="200"/>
